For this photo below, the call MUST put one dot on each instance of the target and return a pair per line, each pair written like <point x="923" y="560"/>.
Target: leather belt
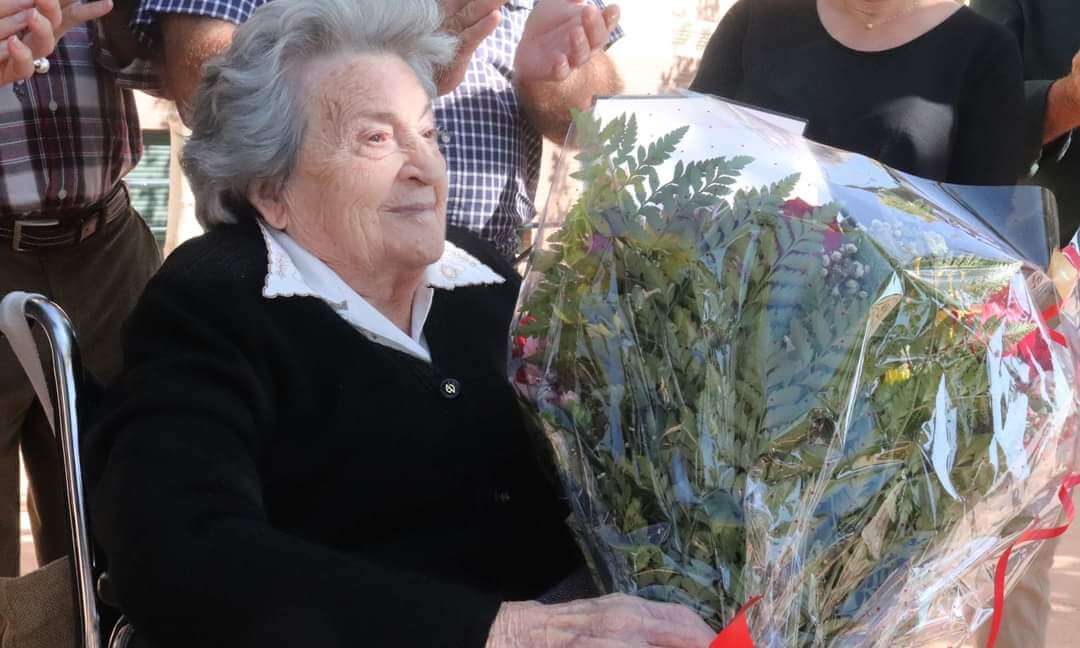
<point x="63" y="228"/>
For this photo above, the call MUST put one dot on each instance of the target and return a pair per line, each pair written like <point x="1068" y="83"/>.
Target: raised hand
<point x="30" y="29"/>
<point x="471" y="21"/>
<point x="561" y="36"/>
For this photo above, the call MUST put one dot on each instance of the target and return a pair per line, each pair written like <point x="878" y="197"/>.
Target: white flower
<point x="936" y="243"/>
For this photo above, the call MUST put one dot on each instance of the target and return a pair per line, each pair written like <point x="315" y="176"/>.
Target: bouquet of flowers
<point x="783" y="371"/>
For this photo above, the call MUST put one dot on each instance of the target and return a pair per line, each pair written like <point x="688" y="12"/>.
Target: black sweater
<point x="267" y="476"/>
<point x="948" y="105"/>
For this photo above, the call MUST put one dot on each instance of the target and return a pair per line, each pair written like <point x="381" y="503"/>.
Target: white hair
<point x="249" y="113"/>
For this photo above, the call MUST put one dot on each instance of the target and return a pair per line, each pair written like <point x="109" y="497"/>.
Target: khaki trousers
<point x="97" y="283"/>
<point x="1027" y="606"/>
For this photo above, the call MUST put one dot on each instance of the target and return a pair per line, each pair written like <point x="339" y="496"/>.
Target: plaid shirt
<point x="492" y="152"/>
<point x="68" y="136"/>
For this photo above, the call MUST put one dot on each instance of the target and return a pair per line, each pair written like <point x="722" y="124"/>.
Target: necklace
<point x="859" y="15"/>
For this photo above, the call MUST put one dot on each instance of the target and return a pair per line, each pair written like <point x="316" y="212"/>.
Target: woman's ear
<point x="271" y="204"/>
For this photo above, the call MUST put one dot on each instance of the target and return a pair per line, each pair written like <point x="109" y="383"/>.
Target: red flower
<point x="796" y="208"/>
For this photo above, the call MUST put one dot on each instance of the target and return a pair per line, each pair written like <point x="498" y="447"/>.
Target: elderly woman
<point x="314" y="443"/>
<point x="925" y="86"/>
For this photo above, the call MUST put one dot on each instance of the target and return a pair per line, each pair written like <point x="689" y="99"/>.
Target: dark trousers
<point x="97" y="283"/>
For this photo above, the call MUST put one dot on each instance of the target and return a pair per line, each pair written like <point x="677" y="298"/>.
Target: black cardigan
<point x="267" y="476"/>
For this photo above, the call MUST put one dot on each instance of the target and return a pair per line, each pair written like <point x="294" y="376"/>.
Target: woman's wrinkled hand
<point x="614" y="621"/>
<point x="30" y="29"/>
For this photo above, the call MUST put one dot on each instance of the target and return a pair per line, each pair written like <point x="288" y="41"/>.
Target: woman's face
<point x="368" y="195"/>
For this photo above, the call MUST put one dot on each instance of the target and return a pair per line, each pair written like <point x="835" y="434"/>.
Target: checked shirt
<point x="68" y="136"/>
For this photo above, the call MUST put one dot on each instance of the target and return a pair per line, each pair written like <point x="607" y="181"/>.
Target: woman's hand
<point x="30" y="29"/>
<point x="614" y="621"/>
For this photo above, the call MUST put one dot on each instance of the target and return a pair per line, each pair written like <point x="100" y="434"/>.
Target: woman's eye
<point x="378" y="138"/>
<point x="431" y="133"/>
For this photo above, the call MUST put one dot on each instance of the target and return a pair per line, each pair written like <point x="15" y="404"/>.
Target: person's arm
<point x="30" y="29"/>
<point x="547" y="104"/>
<point x="1063" y="105"/>
<point x="720" y="72"/>
<point x="1053" y="106"/>
<point x="188" y="42"/>
<point x="179" y="507"/>
<point x="989" y="148"/>
<point x="560" y="62"/>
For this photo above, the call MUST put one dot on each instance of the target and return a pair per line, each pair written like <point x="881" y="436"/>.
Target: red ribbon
<point x="737" y="633"/>
<point x="1031" y="535"/>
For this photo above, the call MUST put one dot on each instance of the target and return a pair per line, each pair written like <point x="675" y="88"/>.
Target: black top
<point x="270" y="477"/>
<point x="1049" y="35"/>
<point x="947" y="105"/>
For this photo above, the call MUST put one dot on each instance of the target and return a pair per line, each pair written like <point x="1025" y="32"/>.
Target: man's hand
<point x="42" y="24"/>
<point x="561" y="36"/>
<point x="1063" y="105"/>
<point x="1072" y="85"/>
<point x="471" y="21"/>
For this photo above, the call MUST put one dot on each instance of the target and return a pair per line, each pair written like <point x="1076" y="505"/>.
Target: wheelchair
<point x="17" y="312"/>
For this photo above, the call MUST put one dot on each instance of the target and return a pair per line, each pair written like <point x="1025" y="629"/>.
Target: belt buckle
<point x="19" y="224"/>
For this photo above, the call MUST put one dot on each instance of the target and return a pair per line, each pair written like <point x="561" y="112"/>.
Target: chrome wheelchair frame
<point x="65" y="385"/>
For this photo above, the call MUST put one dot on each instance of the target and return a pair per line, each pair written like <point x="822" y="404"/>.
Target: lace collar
<point x="292" y="271"/>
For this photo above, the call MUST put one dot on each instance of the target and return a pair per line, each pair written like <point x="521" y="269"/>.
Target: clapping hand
<point x="30" y="29"/>
<point x="562" y="36"/>
<point x="471" y="21"/>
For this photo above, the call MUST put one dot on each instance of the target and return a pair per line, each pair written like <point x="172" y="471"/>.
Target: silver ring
<point x="41" y="65"/>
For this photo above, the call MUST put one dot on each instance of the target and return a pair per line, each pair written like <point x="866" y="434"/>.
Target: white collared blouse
<point x="292" y="271"/>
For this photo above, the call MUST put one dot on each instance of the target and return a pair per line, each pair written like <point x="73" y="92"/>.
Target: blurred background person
<point x="69" y="133"/>
<point x="1048" y="32"/>
<point x="925" y="86"/>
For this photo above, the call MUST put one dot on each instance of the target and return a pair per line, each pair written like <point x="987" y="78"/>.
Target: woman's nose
<point x="423" y="161"/>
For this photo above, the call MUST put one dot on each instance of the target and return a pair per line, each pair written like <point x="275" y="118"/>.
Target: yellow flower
<point x="898" y="374"/>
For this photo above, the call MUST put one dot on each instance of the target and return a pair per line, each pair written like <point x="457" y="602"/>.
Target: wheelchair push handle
<point x="17" y="310"/>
